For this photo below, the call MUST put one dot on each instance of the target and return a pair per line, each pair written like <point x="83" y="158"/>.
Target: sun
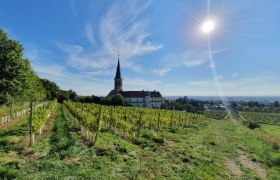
<point x="208" y="26"/>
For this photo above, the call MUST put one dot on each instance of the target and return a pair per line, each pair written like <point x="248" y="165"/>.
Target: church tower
<point x="118" y="78"/>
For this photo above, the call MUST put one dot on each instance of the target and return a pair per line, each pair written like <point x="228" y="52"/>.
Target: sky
<point x="160" y="44"/>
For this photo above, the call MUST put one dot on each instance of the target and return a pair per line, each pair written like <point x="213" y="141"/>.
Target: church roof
<point x="118" y="72"/>
<point x="137" y="94"/>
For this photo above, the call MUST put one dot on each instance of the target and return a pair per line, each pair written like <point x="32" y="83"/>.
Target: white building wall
<point x="145" y="102"/>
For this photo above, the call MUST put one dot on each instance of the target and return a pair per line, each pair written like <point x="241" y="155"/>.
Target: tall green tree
<point x="18" y="81"/>
<point x="52" y="89"/>
<point x="276" y="104"/>
<point x="117" y="100"/>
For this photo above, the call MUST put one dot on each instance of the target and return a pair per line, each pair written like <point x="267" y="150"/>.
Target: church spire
<point x="118" y="72"/>
<point x="118" y="78"/>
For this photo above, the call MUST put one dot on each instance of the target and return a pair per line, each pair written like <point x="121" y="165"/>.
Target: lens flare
<point x="208" y="26"/>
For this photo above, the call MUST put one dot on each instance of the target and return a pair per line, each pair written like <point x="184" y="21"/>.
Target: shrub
<point x="253" y="125"/>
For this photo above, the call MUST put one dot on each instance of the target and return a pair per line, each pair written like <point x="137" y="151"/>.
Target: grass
<point x="194" y="152"/>
<point x="61" y="138"/>
<point x="271" y="129"/>
<point x="11" y="146"/>
<point x="5" y="109"/>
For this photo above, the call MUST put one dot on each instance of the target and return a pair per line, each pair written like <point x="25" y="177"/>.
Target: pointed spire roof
<point x="118" y="72"/>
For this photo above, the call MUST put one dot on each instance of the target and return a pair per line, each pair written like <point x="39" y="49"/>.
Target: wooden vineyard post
<point x="30" y="125"/>
<point x="111" y="117"/>
<point x="171" y="121"/>
<point x="179" y="121"/>
<point x="139" y="125"/>
<point x="98" y="126"/>
<point x="125" y="115"/>
<point x="185" y="120"/>
<point x="158" y="122"/>
<point x="11" y="106"/>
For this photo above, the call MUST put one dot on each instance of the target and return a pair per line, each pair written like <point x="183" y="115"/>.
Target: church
<point x="142" y="98"/>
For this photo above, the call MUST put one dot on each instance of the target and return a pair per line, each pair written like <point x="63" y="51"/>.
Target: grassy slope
<point x="271" y="129"/>
<point x="12" y="143"/>
<point x="197" y="152"/>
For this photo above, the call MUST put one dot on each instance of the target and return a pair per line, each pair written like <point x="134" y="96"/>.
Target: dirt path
<point x="252" y="165"/>
<point x="233" y="167"/>
<point x="15" y="138"/>
<point x="27" y="152"/>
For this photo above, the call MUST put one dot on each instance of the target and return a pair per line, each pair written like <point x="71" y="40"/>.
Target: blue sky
<point x="161" y="46"/>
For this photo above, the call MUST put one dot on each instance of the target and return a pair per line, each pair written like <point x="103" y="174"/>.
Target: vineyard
<point x="128" y="121"/>
<point x="10" y="113"/>
<point x="12" y="109"/>
<point x="91" y="141"/>
<point x="40" y="116"/>
<point x="167" y="113"/>
<point x="262" y="118"/>
<point x="216" y="114"/>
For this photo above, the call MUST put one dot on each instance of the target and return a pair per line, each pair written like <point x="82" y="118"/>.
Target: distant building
<point x="136" y="98"/>
<point x="217" y="107"/>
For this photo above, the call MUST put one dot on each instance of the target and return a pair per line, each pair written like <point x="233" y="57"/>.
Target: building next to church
<point x="136" y="98"/>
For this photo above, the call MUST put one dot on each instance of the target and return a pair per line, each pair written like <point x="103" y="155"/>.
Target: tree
<point x="188" y="107"/>
<point x="182" y="100"/>
<point x="72" y="95"/>
<point x="266" y="110"/>
<point x="88" y="99"/>
<point x="96" y="99"/>
<point x="63" y="95"/>
<point x="276" y="110"/>
<point x="276" y="104"/>
<point x="106" y="100"/>
<point x="18" y="81"/>
<point x="52" y="89"/>
<point x="117" y="100"/>
<point x="253" y="104"/>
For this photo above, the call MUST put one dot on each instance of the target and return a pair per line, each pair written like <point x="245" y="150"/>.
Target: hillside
<point x="210" y="149"/>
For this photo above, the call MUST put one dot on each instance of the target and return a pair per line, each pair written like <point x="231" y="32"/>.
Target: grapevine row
<point x="40" y="116"/>
<point x="16" y="112"/>
<point x="216" y="114"/>
<point x="128" y="121"/>
<point x="266" y="118"/>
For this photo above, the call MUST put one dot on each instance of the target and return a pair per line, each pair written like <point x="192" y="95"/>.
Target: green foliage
<point x="216" y="114"/>
<point x="265" y="118"/>
<point x="129" y="121"/>
<point x="253" y="125"/>
<point x="61" y="138"/>
<point x="17" y="79"/>
<point x="184" y="104"/>
<point x="52" y="90"/>
<point x="8" y="173"/>
<point x="276" y="104"/>
<point x="40" y="116"/>
<point x="13" y="108"/>
<point x="195" y="152"/>
<point x="117" y="100"/>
